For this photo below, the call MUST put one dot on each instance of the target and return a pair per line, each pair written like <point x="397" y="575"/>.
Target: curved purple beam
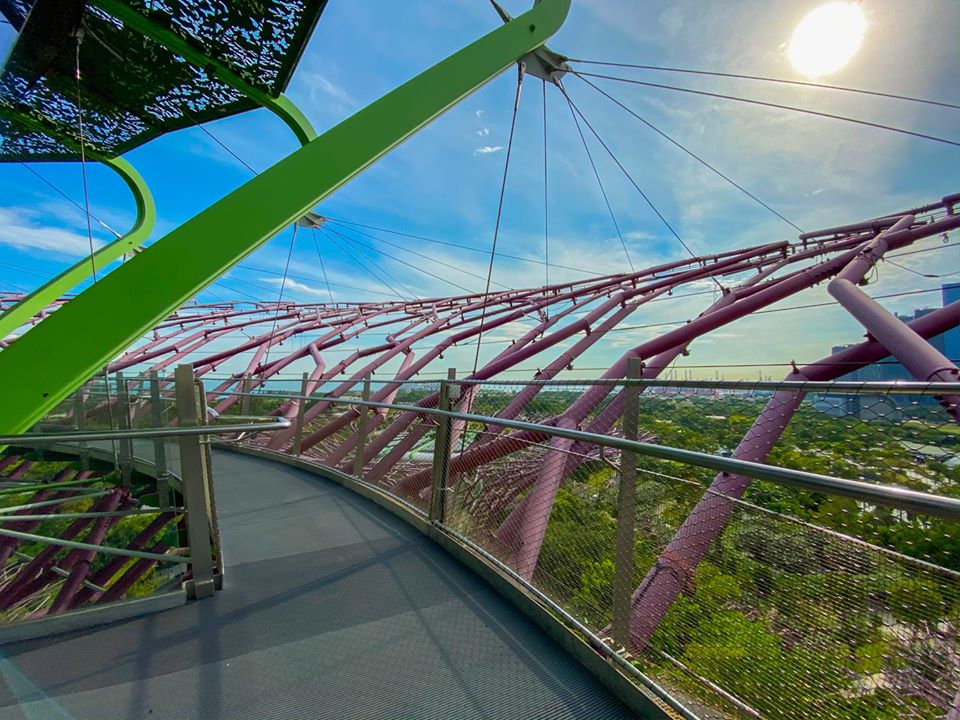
<point x="760" y="297"/>
<point x="516" y="353"/>
<point x="923" y="361"/>
<point x="676" y="564"/>
<point x="724" y="263"/>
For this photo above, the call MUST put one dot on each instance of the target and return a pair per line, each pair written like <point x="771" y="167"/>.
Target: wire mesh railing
<point x="105" y="500"/>
<point x="775" y="550"/>
<point x="729" y="597"/>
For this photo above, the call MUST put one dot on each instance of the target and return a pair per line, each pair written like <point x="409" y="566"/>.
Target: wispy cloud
<point x="323" y="89"/>
<point x="488" y="149"/>
<point x="19" y="229"/>
<point x="296" y="286"/>
<point x="483" y="132"/>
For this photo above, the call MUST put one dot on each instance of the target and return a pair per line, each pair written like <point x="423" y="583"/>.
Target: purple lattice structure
<point x="751" y="279"/>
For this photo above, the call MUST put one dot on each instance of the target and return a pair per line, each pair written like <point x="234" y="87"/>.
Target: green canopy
<point x="131" y="88"/>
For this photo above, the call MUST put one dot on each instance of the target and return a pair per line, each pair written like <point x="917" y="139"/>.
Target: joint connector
<point x="545" y="64"/>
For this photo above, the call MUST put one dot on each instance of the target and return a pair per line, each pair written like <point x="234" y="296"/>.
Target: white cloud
<point x="291" y="284"/>
<point x="19" y="228"/>
<point x="483" y="132"/>
<point x="639" y="236"/>
<point x="488" y="149"/>
<point x="319" y="86"/>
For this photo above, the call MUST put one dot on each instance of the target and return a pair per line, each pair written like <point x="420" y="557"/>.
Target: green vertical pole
<point x="79" y="421"/>
<point x="245" y="387"/>
<point x="46" y="364"/>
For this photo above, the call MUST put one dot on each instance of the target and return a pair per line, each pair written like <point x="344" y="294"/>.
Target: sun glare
<point x="827" y="38"/>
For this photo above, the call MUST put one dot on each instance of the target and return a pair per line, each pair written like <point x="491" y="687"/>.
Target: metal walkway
<point x="332" y="608"/>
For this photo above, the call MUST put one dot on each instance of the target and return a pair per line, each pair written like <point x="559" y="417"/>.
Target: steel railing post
<point x="301" y="409"/>
<point x="362" y="430"/>
<point x="125" y="449"/>
<point x="210" y="496"/>
<point x="441" y="449"/>
<point x="159" y="445"/>
<point x="192" y="471"/>
<point x="79" y="421"/>
<point x="245" y="397"/>
<point x="626" y="511"/>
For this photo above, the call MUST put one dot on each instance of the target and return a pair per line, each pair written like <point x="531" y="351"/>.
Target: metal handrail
<point x="890" y="496"/>
<point x="276" y="423"/>
<point x="884" y="387"/>
<point x="892" y="387"/>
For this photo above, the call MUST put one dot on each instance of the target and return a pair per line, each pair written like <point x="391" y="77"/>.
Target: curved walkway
<point x="331" y="608"/>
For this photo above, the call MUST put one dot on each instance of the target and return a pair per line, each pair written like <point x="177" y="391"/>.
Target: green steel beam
<point x="280" y="106"/>
<point x="40" y="298"/>
<point x="44" y="366"/>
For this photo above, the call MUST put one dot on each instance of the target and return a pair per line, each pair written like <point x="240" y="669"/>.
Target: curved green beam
<point x="60" y="354"/>
<point x="40" y="298"/>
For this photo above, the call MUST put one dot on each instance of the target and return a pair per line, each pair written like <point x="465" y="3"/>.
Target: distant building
<point x="869" y="407"/>
<point x="889" y="369"/>
<point x="951" y="338"/>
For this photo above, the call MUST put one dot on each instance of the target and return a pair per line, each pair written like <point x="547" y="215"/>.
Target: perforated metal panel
<point x="132" y="89"/>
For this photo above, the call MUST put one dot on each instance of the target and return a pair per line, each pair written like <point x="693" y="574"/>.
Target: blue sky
<point x="444" y="182"/>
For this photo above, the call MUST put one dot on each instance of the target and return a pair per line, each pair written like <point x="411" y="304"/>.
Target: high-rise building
<point x="951" y="338"/>
<point x="889" y="369"/>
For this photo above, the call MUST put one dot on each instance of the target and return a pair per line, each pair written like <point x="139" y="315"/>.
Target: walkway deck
<point x="332" y="608"/>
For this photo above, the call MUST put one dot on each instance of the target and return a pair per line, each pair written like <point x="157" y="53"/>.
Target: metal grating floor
<point x="332" y="608"/>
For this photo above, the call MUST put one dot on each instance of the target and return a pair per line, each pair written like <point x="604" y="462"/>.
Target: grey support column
<point x="626" y="511"/>
<point x="192" y="471"/>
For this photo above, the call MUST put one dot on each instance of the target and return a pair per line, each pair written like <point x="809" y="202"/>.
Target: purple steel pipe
<point x="133" y="573"/>
<point x="525" y="528"/>
<point x="36" y="573"/>
<point x="772" y="292"/>
<point x="80" y="565"/>
<point x="106" y="573"/>
<point x="400" y="424"/>
<point x="677" y="563"/>
<point x="514" y="354"/>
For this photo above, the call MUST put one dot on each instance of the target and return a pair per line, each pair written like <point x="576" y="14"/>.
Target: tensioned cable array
<point x="633" y="182"/>
<point x="778" y="106"/>
<point x="596" y="174"/>
<point x="496" y="228"/>
<point x="762" y="78"/>
<point x="693" y="155"/>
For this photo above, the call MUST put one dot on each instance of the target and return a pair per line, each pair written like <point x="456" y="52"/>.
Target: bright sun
<point x="827" y="38"/>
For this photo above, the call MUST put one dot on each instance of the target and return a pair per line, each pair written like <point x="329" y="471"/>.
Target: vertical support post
<point x="245" y="399"/>
<point x="441" y="450"/>
<point x="192" y="468"/>
<point x="209" y="495"/>
<point x="159" y="445"/>
<point x="301" y="409"/>
<point x="79" y="421"/>
<point x="125" y="450"/>
<point x="626" y="511"/>
<point x="362" y="430"/>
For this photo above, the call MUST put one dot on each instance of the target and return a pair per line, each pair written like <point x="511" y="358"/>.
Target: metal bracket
<point x="312" y="220"/>
<point x="541" y="63"/>
<point x="545" y="64"/>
